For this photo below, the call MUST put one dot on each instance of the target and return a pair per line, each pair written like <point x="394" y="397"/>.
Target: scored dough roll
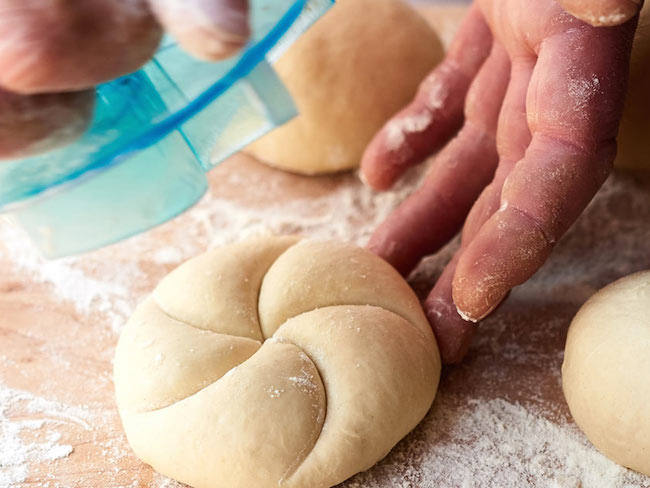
<point x="274" y="363"/>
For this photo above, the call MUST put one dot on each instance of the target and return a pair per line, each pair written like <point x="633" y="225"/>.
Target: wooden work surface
<point x="59" y="324"/>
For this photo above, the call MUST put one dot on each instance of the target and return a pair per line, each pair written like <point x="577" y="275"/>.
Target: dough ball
<point x="348" y="74"/>
<point x="275" y="363"/>
<point x="606" y="371"/>
<point x="634" y="133"/>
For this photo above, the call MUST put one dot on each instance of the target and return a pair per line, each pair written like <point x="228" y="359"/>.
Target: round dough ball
<point x="274" y="363"/>
<point x="634" y="133"/>
<point x="606" y="371"/>
<point x="348" y="74"/>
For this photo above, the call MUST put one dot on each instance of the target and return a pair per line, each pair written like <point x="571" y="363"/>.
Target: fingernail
<point x="477" y="317"/>
<point x="362" y="177"/>
<point x="611" y="16"/>
<point x="466" y="317"/>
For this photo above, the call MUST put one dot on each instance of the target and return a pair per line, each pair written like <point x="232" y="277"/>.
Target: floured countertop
<point x="499" y="419"/>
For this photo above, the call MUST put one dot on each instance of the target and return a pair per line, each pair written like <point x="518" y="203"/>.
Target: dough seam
<point x="176" y="319"/>
<point x="301" y="458"/>
<point x="259" y="289"/>
<point x="294" y="468"/>
<point x="285" y="340"/>
<point x="349" y="304"/>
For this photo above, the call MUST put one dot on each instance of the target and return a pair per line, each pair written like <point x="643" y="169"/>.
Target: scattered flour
<point x="275" y="392"/>
<point x="398" y="129"/>
<point x="16" y="452"/>
<point x="305" y="381"/>
<point x="438" y="94"/>
<point x="474" y="443"/>
<point x="582" y="91"/>
<point x="102" y="291"/>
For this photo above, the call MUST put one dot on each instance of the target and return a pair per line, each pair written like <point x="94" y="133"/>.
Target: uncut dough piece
<point x="606" y="371"/>
<point x="359" y="65"/>
<point x="634" y="133"/>
<point x="275" y="363"/>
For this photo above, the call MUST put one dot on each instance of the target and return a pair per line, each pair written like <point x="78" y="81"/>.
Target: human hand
<point x="64" y="48"/>
<point x="542" y="94"/>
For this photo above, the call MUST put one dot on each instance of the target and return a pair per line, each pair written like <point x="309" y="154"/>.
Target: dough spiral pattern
<point x="275" y="362"/>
